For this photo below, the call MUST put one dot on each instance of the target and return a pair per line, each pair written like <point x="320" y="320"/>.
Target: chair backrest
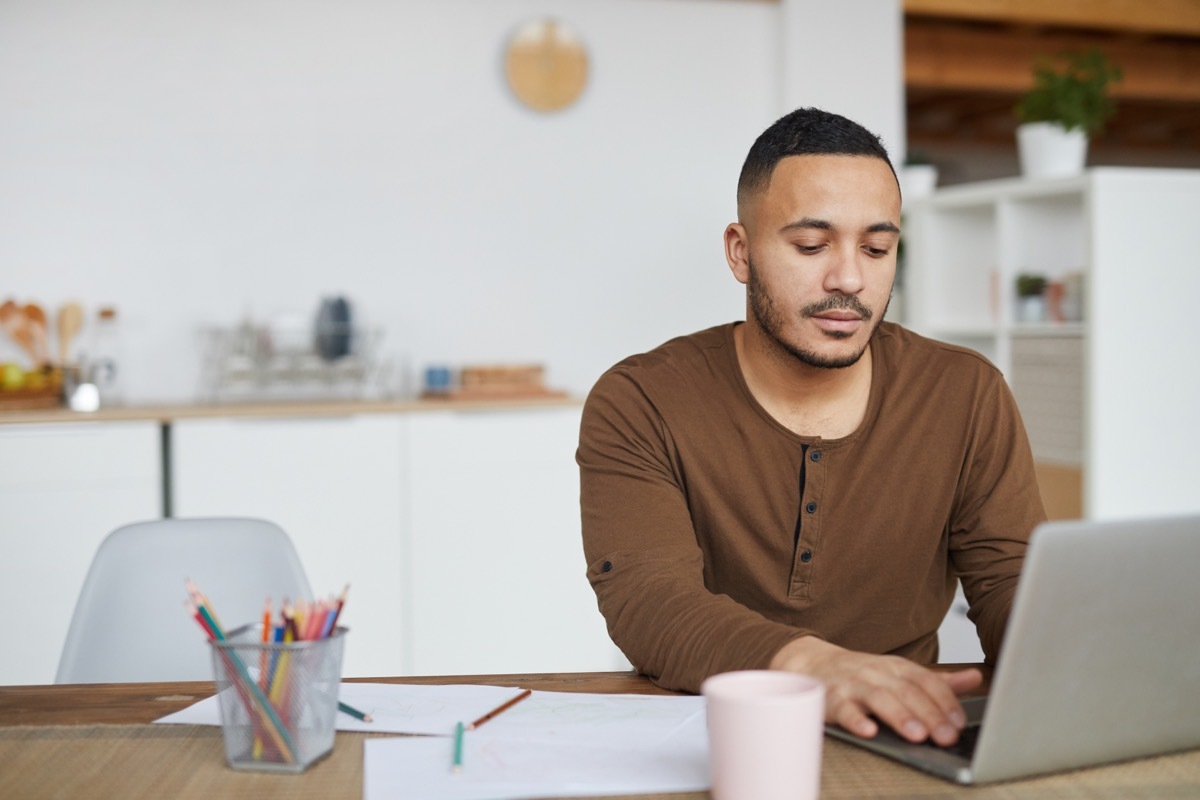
<point x="131" y="623"/>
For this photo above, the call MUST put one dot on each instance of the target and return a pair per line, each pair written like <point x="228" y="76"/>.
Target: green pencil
<point x="458" y="748"/>
<point x="346" y="708"/>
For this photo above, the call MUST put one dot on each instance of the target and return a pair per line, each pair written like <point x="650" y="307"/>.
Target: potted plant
<point x="1031" y="305"/>
<point x="1065" y="106"/>
<point x="918" y="176"/>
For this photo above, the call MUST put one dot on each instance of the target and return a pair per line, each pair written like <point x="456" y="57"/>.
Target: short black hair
<point x="806" y="132"/>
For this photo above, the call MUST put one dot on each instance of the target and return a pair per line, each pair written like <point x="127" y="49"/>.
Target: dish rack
<point x="316" y="362"/>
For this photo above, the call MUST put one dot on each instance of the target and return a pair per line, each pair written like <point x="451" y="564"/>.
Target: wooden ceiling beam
<point x="967" y="61"/>
<point x="953" y="56"/>
<point x="1169" y="17"/>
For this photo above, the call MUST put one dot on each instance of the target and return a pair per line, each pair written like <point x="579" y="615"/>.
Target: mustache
<point x="837" y="302"/>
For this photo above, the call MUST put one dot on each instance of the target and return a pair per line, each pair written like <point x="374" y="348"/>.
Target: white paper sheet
<point x="554" y="744"/>
<point x="616" y="720"/>
<point x="395" y="707"/>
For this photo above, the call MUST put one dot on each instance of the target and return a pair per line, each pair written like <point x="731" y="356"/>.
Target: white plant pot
<point x="917" y="180"/>
<point x="1046" y="150"/>
<point x="1031" y="309"/>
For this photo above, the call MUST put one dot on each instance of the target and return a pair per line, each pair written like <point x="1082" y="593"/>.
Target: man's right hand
<point x="915" y="702"/>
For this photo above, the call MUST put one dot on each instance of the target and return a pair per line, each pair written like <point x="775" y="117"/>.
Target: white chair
<point x="131" y="623"/>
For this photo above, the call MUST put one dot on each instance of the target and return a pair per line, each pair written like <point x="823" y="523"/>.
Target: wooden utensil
<point x="70" y="320"/>
<point x="12" y="319"/>
<point x="35" y="325"/>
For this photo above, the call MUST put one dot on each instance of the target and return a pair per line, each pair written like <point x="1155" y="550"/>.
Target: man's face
<point x="821" y="256"/>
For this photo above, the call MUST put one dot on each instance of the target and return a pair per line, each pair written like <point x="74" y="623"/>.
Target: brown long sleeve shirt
<point x="714" y="535"/>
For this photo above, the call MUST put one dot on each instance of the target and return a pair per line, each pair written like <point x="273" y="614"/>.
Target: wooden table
<point x="94" y="741"/>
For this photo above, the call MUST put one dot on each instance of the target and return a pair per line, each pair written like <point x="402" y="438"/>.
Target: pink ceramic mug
<point x="765" y="731"/>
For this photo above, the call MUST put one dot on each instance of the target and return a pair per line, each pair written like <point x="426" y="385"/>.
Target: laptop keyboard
<point x="965" y="746"/>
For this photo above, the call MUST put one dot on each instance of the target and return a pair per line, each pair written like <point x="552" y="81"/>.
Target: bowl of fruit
<point x="35" y="382"/>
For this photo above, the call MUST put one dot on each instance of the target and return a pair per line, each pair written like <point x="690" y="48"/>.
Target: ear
<point x="737" y="251"/>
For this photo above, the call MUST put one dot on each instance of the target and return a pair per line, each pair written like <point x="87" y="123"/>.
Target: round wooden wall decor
<point x="546" y="65"/>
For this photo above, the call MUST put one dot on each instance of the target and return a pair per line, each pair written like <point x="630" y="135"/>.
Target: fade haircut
<point x="805" y="132"/>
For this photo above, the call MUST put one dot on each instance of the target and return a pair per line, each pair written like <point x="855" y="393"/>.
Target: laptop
<point x="1100" y="661"/>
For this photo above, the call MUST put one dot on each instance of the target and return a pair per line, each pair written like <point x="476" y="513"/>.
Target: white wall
<point x="194" y="162"/>
<point x="847" y="57"/>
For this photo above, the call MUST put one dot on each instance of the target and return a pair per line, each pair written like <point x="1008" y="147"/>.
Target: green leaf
<point x="1072" y="93"/>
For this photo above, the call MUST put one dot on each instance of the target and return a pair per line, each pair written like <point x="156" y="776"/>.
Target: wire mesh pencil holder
<point x="279" y="701"/>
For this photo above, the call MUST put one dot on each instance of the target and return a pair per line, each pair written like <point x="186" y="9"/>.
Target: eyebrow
<point x="811" y="223"/>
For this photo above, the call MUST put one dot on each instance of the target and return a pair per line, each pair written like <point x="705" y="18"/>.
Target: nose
<point x="844" y="274"/>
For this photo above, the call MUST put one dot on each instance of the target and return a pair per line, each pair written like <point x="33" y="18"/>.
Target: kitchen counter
<point x="280" y="409"/>
<point x="400" y="499"/>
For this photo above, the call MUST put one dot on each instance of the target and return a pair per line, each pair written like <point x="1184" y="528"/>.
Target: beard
<point x="771" y="320"/>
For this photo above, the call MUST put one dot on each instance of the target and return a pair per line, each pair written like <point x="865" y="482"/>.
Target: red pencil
<point x="499" y="709"/>
<point x="195" y="612"/>
<point x="201" y="600"/>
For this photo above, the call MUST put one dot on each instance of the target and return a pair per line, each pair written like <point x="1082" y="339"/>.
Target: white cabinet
<point x="457" y="528"/>
<point x="335" y="485"/>
<point x="496" y="573"/>
<point x="1114" y="394"/>
<point x="63" y="488"/>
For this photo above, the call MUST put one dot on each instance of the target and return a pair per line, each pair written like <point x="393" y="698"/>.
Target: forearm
<point x="672" y="628"/>
<point x="803" y="654"/>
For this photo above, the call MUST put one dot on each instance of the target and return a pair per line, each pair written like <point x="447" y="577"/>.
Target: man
<point x="801" y="491"/>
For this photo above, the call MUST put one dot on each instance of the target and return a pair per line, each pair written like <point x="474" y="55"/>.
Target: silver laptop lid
<point x="1101" y="659"/>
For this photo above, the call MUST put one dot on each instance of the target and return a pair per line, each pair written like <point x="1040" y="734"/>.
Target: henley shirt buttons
<point x="815" y="455"/>
<point x="806" y="556"/>
<point x="811" y="508"/>
<point x="606" y="566"/>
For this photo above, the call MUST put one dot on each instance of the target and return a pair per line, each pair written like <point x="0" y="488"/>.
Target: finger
<point x="905" y="709"/>
<point x="945" y="716"/>
<point x="851" y="717"/>
<point x="962" y="681"/>
<point x="918" y="704"/>
<point x="958" y="683"/>
<point x="901" y="695"/>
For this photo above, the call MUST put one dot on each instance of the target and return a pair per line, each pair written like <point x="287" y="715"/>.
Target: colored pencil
<point x="266" y="638"/>
<point x="312" y="623"/>
<point x="195" y="612"/>
<point x="320" y="628"/>
<point x="346" y="708"/>
<point x="243" y="682"/>
<point x="456" y="766"/>
<point x="202" y="600"/>
<point x="337" y="611"/>
<point x="212" y="625"/>
<point x="499" y="709"/>
<point x="262" y="673"/>
<point x="256" y="699"/>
